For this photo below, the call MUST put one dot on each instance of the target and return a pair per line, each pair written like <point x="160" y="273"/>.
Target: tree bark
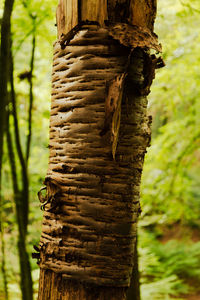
<point x="99" y="131"/>
<point x="133" y="292"/>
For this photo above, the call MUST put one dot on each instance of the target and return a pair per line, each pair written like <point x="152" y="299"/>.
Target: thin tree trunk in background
<point x="99" y="131"/>
<point x="31" y="98"/>
<point x="25" y="270"/>
<point x="21" y="196"/>
<point x="4" y="77"/>
<point x="4" y="68"/>
<point x="3" y="253"/>
<point x="30" y="80"/>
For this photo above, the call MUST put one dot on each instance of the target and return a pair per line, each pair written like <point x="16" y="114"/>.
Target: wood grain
<point x="66" y="16"/>
<point x="134" y="12"/>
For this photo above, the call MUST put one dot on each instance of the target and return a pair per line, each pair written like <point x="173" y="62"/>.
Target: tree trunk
<point x="25" y="268"/>
<point x="4" y="69"/>
<point x="99" y="131"/>
<point x="21" y="196"/>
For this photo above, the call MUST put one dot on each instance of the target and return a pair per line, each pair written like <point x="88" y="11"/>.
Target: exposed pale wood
<point x="143" y="13"/>
<point x="66" y="16"/>
<point x="71" y="12"/>
<point x="135" y="12"/>
<point x="94" y="10"/>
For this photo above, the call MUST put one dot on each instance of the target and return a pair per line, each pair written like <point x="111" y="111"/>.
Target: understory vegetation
<point x="169" y="226"/>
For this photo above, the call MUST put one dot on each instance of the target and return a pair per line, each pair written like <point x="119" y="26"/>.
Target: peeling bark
<point x="99" y="132"/>
<point x="94" y="224"/>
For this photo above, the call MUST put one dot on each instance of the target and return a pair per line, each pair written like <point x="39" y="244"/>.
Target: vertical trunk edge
<point x="133" y="292"/>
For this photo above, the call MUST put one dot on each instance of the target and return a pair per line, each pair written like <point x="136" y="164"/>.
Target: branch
<point x="11" y="156"/>
<point x="29" y="33"/>
<point x="31" y="99"/>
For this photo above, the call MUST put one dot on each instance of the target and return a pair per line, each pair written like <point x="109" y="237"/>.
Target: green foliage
<point x="170" y="187"/>
<point x="167" y="268"/>
<point x="28" y="17"/>
<point x="170" y="177"/>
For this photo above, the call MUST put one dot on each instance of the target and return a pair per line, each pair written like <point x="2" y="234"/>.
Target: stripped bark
<point x="99" y="132"/>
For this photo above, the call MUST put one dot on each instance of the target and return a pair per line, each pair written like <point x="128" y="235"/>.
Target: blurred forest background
<point x="169" y="227"/>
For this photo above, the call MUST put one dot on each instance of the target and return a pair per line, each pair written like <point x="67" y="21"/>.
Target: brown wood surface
<point x="143" y="13"/>
<point x="96" y="218"/>
<point x="54" y="287"/>
<point x="94" y="10"/>
<point x="89" y="225"/>
<point x="66" y="16"/>
<point x="135" y="12"/>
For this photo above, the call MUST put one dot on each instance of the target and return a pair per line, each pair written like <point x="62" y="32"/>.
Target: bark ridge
<point x="92" y="204"/>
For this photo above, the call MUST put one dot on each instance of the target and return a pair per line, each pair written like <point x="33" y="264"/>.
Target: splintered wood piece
<point x="134" y="36"/>
<point x="71" y="12"/>
<point x="66" y="16"/>
<point x="113" y="109"/>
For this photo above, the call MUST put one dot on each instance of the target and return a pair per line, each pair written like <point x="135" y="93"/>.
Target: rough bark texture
<point x="99" y="132"/>
<point x="54" y="287"/>
<point x="133" y="292"/>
